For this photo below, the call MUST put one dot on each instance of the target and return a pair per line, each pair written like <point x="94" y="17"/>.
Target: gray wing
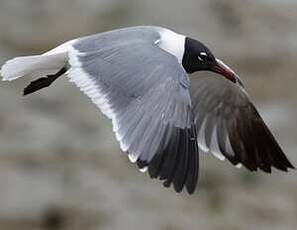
<point x="229" y="126"/>
<point x="144" y="90"/>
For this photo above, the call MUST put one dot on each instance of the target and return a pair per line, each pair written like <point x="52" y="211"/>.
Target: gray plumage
<point x="234" y="125"/>
<point x="138" y="77"/>
<point x="146" y="92"/>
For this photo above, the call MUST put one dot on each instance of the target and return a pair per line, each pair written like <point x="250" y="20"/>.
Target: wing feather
<point x="229" y="125"/>
<point x="141" y="88"/>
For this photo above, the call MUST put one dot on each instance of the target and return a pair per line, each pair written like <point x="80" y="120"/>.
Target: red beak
<point x="224" y="70"/>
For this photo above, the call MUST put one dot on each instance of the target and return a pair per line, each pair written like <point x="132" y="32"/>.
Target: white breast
<point x="172" y="43"/>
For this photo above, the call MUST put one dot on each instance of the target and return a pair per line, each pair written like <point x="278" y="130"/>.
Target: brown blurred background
<point x="60" y="166"/>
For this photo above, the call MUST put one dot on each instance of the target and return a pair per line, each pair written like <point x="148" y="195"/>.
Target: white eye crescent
<point x="201" y="56"/>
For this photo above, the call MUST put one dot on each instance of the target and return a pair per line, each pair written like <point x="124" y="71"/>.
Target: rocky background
<point x="60" y="166"/>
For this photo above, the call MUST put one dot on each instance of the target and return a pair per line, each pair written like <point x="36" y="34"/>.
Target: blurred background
<point x="60" y="166"/>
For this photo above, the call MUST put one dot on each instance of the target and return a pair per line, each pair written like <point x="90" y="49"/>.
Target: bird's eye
<point x="202" y="56"/>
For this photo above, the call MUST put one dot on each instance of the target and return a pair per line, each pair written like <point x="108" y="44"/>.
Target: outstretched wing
<point x="144" y="90"/>
<point x="228" y="125"/>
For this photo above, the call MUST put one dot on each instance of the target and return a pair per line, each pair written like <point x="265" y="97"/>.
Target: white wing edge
<point x="89" y="87"/>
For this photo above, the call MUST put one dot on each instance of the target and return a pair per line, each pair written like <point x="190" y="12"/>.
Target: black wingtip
<point x="254" y="144"/>
<point x="290" y="166"/>
<point x="177" y="163"/>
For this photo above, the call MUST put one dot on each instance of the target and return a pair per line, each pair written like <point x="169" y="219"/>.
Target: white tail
<point x="34" y="66"/>
<point x="38" y="65"/>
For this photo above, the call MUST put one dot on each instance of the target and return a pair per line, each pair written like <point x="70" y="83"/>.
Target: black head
<point x="197" y="57"/>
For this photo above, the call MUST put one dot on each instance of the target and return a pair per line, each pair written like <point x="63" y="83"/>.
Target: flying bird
<point x="139" y="78"/>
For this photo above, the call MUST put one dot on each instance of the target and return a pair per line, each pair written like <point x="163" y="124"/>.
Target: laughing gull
<point x="138" y="77"/>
